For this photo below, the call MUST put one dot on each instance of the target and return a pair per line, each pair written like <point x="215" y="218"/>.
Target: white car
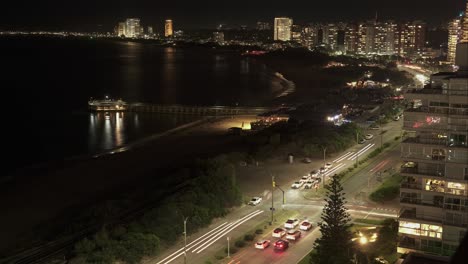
<point x="304" y="179"/>
<point x="293" y="234"/>
<point x="255" y="200"/>
<point x="297" y="185"/>
<point x="328" y="165"/>
<point x="305" y="225"/>
<point x="291" y="223"/>
<point x="323" y="169"/>
<point x="262" y="244"/>
<point x="278" y="232"/>
<point x="369" y="136"/>
<point x="314" y="173"/>
<point x="309" y="184"/>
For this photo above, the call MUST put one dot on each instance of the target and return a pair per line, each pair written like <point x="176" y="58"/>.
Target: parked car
<point x="255" y="200"/>
<point x="369" y="136"/>
<point x="278" y="232"/>
<point x="374" y="127"/>
<point x="305" y="225"/>
<point x="305" y="179"/>
<point x="307" y="160"/>
<point x="317" y="179"/>
<point x="281" y="245"/>
<point x="328" y="165"/>
<point x="262" y="244"/>
<point x="314" y="173"/>
<point x="309" y="184"/>
<point x="297" y="185"/>
<point x="362" y="141"/>
<point x="396" y="118"/>
<point x="293" y="234"/>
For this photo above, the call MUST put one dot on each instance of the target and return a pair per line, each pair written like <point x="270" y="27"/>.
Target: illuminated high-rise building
<point x="121" y="29"/>
<point x="309" y="36"/>
<point x="454" y="37"/>
<point x="218" y="37"/>
<point x="168" y="29"/>
<point x="296" y="33"/>
<point x="282" y="30"/>
<point x="132" y="27"/>
<point x="351" y="38"/>
<point x="465" y="25"/>
<point x="150" y="30"/>
<point x="330" y="36"/>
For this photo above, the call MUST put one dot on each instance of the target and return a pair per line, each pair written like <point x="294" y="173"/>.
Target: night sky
<point x="103" y="14"/>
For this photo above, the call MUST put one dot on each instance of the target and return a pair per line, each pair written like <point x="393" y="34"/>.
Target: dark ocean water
<point x="47" y="82"/>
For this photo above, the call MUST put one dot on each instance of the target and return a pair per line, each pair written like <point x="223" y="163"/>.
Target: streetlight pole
<point x="228" y="238"/>
<point x="357" y="141"/>
<point x="185" y="240"/>
<point x="324" y="155"/>
<point x="273" y="184"/>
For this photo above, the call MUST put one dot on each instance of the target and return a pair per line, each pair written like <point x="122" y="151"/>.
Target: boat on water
<point x="107" y="104"/>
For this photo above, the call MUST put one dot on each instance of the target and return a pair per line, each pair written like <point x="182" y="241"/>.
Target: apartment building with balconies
<point x="434" y="193"/>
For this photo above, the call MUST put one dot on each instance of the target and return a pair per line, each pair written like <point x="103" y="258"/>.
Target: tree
<point x="335" y="245"/>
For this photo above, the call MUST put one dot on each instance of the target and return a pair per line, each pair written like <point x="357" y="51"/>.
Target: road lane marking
<point x="213" y="240"/>
<point x="343" y="157"/>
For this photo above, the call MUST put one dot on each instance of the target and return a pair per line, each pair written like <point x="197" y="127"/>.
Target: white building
<point x="132" y="27"/>
<point x="282" y="30"/>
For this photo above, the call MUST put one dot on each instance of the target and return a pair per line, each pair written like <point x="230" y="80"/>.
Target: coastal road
<point x="204" y="245"/>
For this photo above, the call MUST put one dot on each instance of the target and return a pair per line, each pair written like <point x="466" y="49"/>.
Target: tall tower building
<point x="282" y="30"/>
<point x="121" y="29"/>
<point x="433" y="217"/>
<point x="465" y="25"/>
<point x="150" y="30"/>
<point x="132" y="27"/>
<point x="168" y="29"/>
<point x="454" y="36"/>
<point x="330" y="36"/>
<point x="351" y="38"/>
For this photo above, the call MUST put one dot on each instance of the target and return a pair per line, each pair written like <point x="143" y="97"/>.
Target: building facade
<point x="434" y="192"/>
<point x="454" y="37"/>
<point x="168" y="29"/>
<point x="282" y="28"/>
<point x="263" y="26"/>
<point x="218" y="37"/>
<point x="132" y="27"/>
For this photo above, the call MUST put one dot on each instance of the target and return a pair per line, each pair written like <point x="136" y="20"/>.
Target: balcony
<point x="413" y="186"/>
<point x="438" y="110"/>
<point x="426" y="141"/>
<point x="417" y="201"/>
<point x="411" y="214"/>
<point x="438" y="172"/>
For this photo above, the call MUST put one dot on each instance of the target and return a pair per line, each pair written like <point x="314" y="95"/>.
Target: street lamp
<point x="228" y="238"/>
<point x="185" y="240"/>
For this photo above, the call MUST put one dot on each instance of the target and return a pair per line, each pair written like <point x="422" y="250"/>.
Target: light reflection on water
<point x="109" y="130"/>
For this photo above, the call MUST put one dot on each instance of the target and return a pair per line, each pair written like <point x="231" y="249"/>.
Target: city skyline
<point x="103" y="16"/>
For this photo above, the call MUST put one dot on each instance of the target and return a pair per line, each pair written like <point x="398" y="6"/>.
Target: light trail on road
<point x="361" y="151"/>
<point x="339" y="166"/>
<point x="211" y="236"/>
<point x="239" y="222"/>
<point x="216" y="228"/>
<point x="343" y="157"/>
<point x="379" y="166"/>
